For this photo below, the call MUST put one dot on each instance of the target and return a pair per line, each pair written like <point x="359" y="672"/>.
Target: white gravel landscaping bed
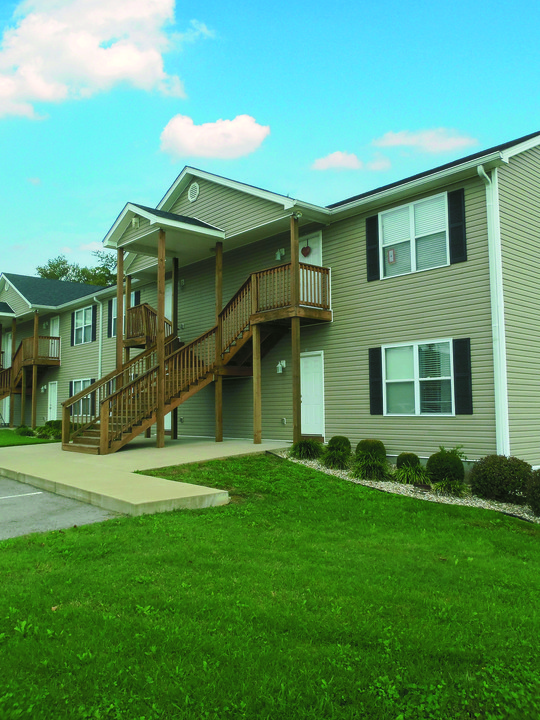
<point x="521" y="511"/>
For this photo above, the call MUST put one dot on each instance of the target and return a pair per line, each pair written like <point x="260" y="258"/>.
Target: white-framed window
<point x="82" y="329"/>
<point x="418" y="378"/>
<point x="84" y="405"/>
<point x="414" y="237"/>
<point x="114" y="313"/>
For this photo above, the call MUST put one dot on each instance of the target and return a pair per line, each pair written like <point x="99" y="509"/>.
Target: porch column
<point x="128" y="305"/>
<point x="295" y="330"/>
<point x="23" y="396"/>
<point x="12" y="394"/>
<point x="35" y="354"/>
<point x="174" y="319"/>
<point x="119" y="308"/>
<point x="160" y="441"/>
<point x="219" y="335"/>
<point x="2" y="363"/>
<point x="257" y="384"/>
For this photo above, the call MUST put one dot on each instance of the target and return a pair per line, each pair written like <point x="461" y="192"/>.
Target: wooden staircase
<point x="107" y="415"/>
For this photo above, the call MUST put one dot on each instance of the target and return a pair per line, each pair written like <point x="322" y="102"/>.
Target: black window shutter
<point x="93" y="398"/>
<point x="456" y="226"/>
<point x="462" y="377"/>
<point x="372" y="248"/>
<point x="137" y="297"/>
<point x="72" y="329"/>
<point x="375" y="381"/>
<point x="109" y="318"/>
<point x="94" y="322"/>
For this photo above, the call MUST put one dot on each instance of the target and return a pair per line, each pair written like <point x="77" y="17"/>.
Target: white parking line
<point x="7" y="497"/>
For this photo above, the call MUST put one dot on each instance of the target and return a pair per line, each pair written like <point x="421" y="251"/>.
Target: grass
<point x="305" y="597"/>
<point x="8" y="438"/>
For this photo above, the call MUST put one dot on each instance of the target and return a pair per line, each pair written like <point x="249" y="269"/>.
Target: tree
<point x="104" y="273"/>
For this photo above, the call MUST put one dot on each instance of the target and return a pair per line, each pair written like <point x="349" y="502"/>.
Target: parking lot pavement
<point x="25" y="509"/>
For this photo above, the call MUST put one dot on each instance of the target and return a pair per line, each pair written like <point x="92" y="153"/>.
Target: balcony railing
<point x="141" y="324"/>
<point x="48" y="353"/>
<point x="272" y="287"/>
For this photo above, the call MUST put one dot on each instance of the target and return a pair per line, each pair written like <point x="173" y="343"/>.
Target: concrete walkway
<point x="109" y="482"/>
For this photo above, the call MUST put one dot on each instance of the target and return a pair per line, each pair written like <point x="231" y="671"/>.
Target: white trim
<point x="522" y="147"/>
<point x="500" y="377"/>
<point x="321" y="353"/>
<point x="55" y="409"/>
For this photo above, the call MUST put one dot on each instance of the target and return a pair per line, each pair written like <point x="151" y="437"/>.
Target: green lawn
<point x="306" y="597"/>
<point x="9" y="438"/>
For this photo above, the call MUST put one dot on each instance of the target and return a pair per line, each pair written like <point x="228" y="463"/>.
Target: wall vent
<point x="193" y="192"/>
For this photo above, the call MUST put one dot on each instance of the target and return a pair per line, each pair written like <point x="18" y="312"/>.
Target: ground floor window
<point x="84" y="405"/>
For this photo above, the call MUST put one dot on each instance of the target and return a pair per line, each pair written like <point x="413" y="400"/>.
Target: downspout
<point x="100" y="337"/>
<point x="502" y="423"/>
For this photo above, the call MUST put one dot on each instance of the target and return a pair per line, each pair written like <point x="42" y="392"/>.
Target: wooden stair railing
<point x="122" y="404"/>
<point x="5" y="382"/>
<point x="48" y="350"/>
<point x="141" y="322"/>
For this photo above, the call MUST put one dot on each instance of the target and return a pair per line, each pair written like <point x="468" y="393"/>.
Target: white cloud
<point x="34" y="181"/>
<point x="379" y="163"/>
<point x="90" y="247"/>
<point x="437" y="140"/>
<point x="338" y="161"/>
<point x="63" y="49"/>
<point x="225" y="139"/>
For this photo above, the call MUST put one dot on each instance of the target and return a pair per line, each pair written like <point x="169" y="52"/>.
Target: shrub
<point x="533" y="492"/>
<point x="55" y="425"/>
<point x="372" y="447"/>
<point x="368" y="466"/>
<point x="306" y="449"/>
<point x="42" y="432"/>
<point x="445" y="465"/>
<point x="407" y="459"/>
<point x="341" y="443"/>
<point x="411" y="474"/>
<point x="502" y="478"/>
<point x="457" y="488"/>
<point x="24" y="431"/>
<point x="336" y="459"/>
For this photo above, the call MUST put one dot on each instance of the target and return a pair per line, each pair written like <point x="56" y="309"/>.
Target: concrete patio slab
<point x="110" y="482"/>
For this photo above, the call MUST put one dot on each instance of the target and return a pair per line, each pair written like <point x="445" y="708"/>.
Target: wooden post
<point x="219" y="335"/>
<point x="160" y="441"/>
<point x="104" y="428"/>
<point x="295" y="263"/>
<point x="257" y="384"/>
<point x="297" y="401"/>
<point x="119" y="308"/>
<point x="128" y="305"/>
<point x="174" y="319"/>
<point x="66" y="425"/>
<point x="35" y="353"/>
<point x="12" y="394"/>
<point x="23" y="396"/>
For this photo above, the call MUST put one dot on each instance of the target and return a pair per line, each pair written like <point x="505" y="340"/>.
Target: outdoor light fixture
<point x="43" y="388"/>
<point x="279" y="367"/>
<point x="280" y="254"/>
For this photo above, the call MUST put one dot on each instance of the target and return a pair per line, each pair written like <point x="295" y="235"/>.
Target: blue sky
<point x="105" y="101"/>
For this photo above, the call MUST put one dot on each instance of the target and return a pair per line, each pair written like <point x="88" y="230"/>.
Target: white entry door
<point x="53" y="401"/>
<point x="312" y="391"/>
<point x="168" y="299"/>
<point x="54" y="331"/>
<point x="4" y="405"/>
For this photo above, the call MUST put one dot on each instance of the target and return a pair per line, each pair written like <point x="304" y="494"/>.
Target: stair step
<point x="82" y="440"/>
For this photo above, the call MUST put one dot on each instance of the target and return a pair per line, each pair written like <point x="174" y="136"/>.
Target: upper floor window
<point x="414" y="237"/>
<point x="82" y="325"/>
<point x="421" y="235"/>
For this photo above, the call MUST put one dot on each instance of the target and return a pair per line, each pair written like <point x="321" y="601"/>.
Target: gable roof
<point x="439" y="169"/>
<point x="6" y="309"/>
<point x="173" y="216"/>
<point x="49" y="293"/>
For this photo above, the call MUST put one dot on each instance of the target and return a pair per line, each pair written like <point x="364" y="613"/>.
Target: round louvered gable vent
<point x="193" y="192"/>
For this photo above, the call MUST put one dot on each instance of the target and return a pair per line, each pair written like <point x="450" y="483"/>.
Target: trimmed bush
<point x="533" y="492"/>
<point x="407" y="459"/>
<point x="502" y="478"/>
<point x="336" y="459"/>
<point x="372" y="447"/>
<point x="307" y="450"/>
<point x="457" y="488"/>
<point x="445" y="465"/>
<point x="55" y="425"/>
<point x="24" y="431"/>
<point x="370" y="467"/>
<point x="341" y="443"/>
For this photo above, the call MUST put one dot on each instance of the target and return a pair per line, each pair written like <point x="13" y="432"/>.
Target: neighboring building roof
<point x="40" y="291"/>
<point x="173" y="216"/>
<point x="455" y="163"/>
<point x="5" y="308"/>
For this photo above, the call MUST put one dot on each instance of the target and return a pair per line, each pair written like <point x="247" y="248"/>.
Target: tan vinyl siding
<point x="141" y="262"/>
<point x="519" y="193"/>
<point x="14" y="300"/>
<point x="449" y="302"/>
<point x="227" y="209"/>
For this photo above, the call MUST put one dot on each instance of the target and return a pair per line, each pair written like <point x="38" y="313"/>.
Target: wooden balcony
<point x="46" y="352"/>
<point x="141" y="327"/>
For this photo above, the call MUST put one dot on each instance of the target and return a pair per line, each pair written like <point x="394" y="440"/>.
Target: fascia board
<point x="436" y="179"/>
<point x="192" y="173"/>
<point x="119" y="226"/>
<point x="522" y="147"/>
<point x="19" y="293"/>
